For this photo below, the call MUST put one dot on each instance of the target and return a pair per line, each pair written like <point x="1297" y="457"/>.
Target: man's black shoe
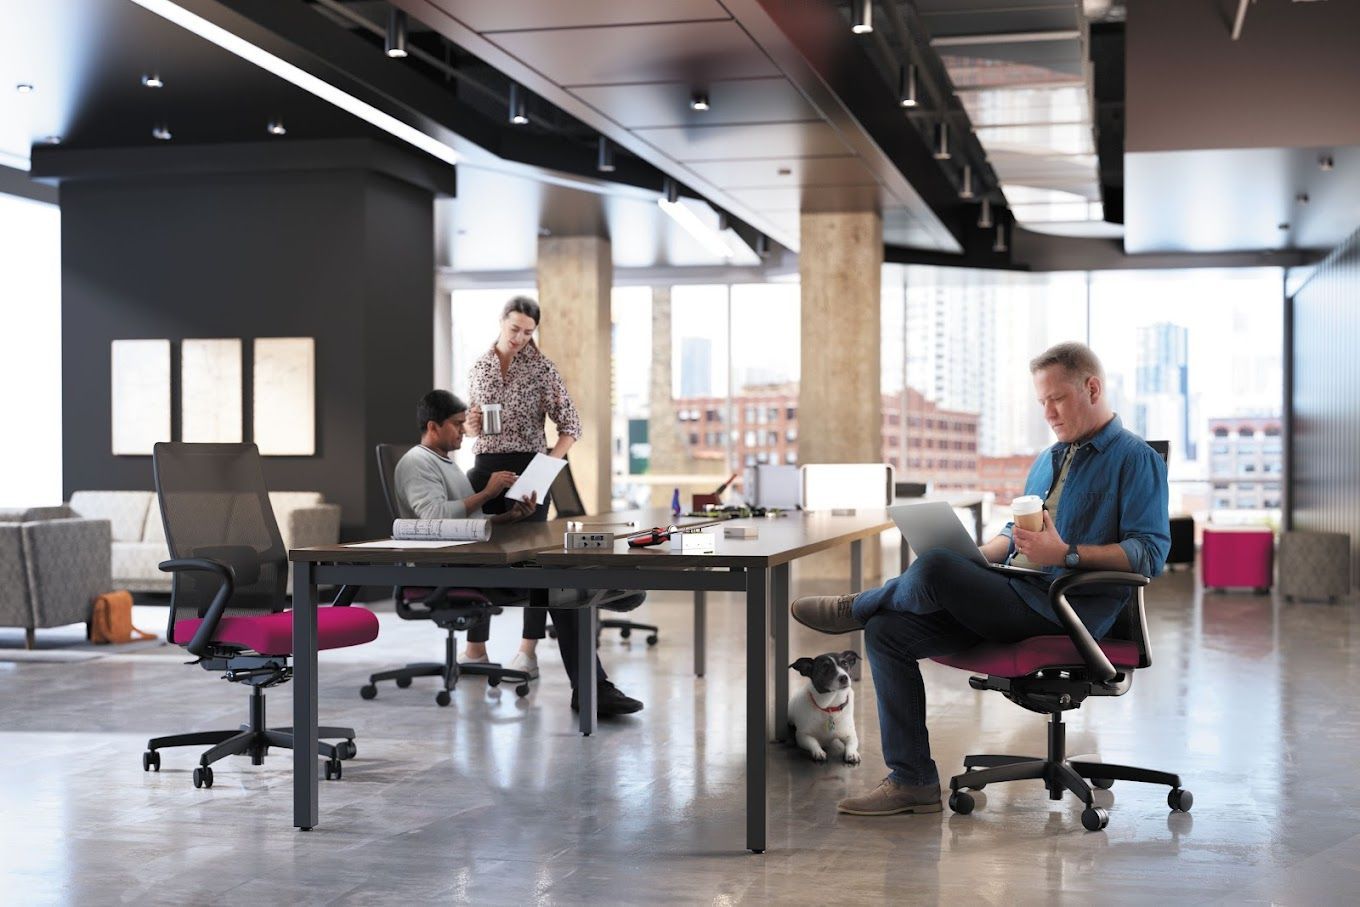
<point x="609" y="700"/>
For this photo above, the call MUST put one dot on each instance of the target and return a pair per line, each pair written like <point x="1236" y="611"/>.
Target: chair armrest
<point x="199" y="644"/>
<point x="1096" y="661"/>
<point x="68" y="563"/>
<point x="306" y="527"/>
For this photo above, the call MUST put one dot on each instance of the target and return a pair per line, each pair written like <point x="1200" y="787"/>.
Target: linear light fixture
<point x="604" y="161"/>
<point x="862" y="17"/>
<point x="519" y="109"/>
<point x="395" y="45"/>
<point x="679" y="212"/>
<point x="267" y="61"/>
<point x="906" y="86"/>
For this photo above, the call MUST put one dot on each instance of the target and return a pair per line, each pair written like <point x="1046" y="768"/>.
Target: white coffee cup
<point x="1029" y="512"/>
<point x="491" y="418"/>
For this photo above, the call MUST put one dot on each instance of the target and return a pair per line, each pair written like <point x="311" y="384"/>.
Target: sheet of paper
<point x="537" y="478"/>
<point x="394" y="543"/>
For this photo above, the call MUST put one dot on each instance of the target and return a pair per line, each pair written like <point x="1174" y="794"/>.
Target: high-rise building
<point x="1246" y="463"/>
<point x="696" y="367"/>
<point x="1162" y="385"/>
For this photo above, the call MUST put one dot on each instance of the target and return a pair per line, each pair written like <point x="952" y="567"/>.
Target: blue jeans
<point x="943" y="604"/>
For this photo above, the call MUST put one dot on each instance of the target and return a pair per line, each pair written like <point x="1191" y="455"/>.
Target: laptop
<point x="933" y="524"/>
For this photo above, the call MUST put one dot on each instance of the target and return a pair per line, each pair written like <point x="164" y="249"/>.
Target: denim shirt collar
<point x="1100" y="440"/>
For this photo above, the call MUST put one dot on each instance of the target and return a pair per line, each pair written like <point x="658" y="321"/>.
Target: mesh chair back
<point x="565" y="495"/>
<point x="389" y="455"/>
<point x="1132" y="621"/>
<point x="214" y="504"/>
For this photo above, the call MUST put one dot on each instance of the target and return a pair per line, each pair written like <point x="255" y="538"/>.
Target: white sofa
<point x="139" y="535"/>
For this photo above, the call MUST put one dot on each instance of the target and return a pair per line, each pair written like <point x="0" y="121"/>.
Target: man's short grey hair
<point x="1077" y="359"/>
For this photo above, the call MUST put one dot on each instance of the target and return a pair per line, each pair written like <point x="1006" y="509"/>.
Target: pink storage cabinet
<point x="1238" y="558"/>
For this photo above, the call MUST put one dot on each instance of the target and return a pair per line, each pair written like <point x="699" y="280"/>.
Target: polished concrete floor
<point x="495" y="800"/>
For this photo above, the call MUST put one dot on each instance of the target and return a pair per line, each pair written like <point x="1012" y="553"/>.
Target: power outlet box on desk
<point x="588" y="541"/>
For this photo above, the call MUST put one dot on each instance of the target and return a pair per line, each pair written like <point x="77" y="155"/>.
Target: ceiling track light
<point x="1000" y="244"/>
<point x="966" y="188"/>
<point x="604" y="159"/>
<point x="906" y="86"/>
<point x="395" y="45"/>
<point x="762" y="247"/>
<point x="671" y="190"/>
<point x="699" y="101"/>
<point x="985" y="215"/>
<point x="942" y="141"/>
<point x="276" y="127"/>
<point x="862" y="17"/>
<point x="161" y="133"/>
<point x="152" y="80"/>
<point x="519" y="107"/>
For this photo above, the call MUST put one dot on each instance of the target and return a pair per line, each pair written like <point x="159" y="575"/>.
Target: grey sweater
<point x="430" y="487"/>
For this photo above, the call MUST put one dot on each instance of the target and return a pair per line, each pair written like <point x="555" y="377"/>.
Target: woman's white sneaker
<point x="526" y="663"/>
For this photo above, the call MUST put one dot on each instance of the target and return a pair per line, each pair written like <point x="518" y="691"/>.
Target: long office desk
<point x="530" y="556"/>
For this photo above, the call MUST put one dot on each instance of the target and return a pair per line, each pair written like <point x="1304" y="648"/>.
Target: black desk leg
<point x="586" y="639"/>
<point x="857" y="585"/>
<point x="700" y="630"/>
<point x="757" y="707"/>
<point x="779" y="614"/>
<point x="304" y="697"/>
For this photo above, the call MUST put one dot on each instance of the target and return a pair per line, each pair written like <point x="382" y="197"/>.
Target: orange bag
<point x="112" y="619"/>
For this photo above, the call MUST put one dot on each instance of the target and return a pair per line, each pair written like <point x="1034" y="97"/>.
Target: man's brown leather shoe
<point x="891" y="798"/>
<point x="826" y="613"/>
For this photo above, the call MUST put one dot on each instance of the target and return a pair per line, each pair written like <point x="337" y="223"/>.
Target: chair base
<point x="253" y="740"/>
<point x="1059" y="775"/>
<point x="626" y="629"/>
<point x="450" y="670"/>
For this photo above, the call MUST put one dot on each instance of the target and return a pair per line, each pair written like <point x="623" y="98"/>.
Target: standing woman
<point x="515" y="374"/>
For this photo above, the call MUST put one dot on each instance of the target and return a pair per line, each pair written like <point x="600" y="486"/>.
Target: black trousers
<point x="535" y="619"/>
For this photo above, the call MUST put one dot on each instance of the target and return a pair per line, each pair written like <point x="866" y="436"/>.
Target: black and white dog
<point x="823" y="712"/>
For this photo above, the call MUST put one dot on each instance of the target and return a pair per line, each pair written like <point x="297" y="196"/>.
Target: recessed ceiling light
<point x="152" y="80"/>
<point x="276" y="127"/>
<point x="161" y="133"/>
<point x="24" y="88"/>
<point x="699" y="101"/>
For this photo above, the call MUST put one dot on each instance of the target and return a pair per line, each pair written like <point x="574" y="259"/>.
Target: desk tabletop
<point x="513" y="543"/>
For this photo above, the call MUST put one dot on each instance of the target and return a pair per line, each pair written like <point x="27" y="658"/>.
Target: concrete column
<point x="575" y="278"/>
<point x="840" y="418"/>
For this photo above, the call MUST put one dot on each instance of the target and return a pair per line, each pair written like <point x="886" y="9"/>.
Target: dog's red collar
<point x="835" y="708"/>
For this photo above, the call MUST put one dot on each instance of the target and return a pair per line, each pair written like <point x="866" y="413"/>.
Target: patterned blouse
<point x="532" y="389"/>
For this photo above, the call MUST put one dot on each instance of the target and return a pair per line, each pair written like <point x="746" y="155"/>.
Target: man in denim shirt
<point x="1105" y="508"/>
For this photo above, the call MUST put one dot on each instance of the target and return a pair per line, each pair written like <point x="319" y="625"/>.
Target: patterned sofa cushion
<point x="125" y="511"/>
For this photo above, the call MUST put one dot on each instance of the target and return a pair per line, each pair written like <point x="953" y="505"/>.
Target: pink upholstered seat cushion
<point x="272" y="634"/>
<point x="1033" y="654"/>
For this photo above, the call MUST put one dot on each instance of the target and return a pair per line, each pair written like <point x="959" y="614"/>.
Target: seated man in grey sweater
<point x="430" y="485"/>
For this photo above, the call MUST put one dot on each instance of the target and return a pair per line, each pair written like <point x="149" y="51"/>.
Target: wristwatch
<point x="1072" y="558"/>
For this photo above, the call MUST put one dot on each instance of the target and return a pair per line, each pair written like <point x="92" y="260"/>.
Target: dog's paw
<point x="818" y="755"/>
<point x="852" y="758"/>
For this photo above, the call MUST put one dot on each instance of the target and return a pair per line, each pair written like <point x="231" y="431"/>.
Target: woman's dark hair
<point x="524" y="306"/>
<point x="436" y="406"/>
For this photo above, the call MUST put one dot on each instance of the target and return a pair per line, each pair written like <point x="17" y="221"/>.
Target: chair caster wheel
<point x="403" y="682"/>
<point x="1102" y="783"/>
<point x="961" y="803"/>
<point x="522" y="690"/>
<point x="369" y="691"/>
<point x="1094" y="818"/>
<point x="651" y="639"/>
<point x="443" y="697"/>
<point x="625" y="633"/>
<point x="203" y="776"/>
<point x="346" y="750"/>
<point x="151" y="761"/>
<point x="493" y="681"/>
<point x="333" y="770"/>
<point x="1180" y="800"/>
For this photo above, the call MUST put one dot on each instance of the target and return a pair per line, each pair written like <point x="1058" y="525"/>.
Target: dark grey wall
<point x="344" y="256"/>
<point x="1325" y="451"/>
